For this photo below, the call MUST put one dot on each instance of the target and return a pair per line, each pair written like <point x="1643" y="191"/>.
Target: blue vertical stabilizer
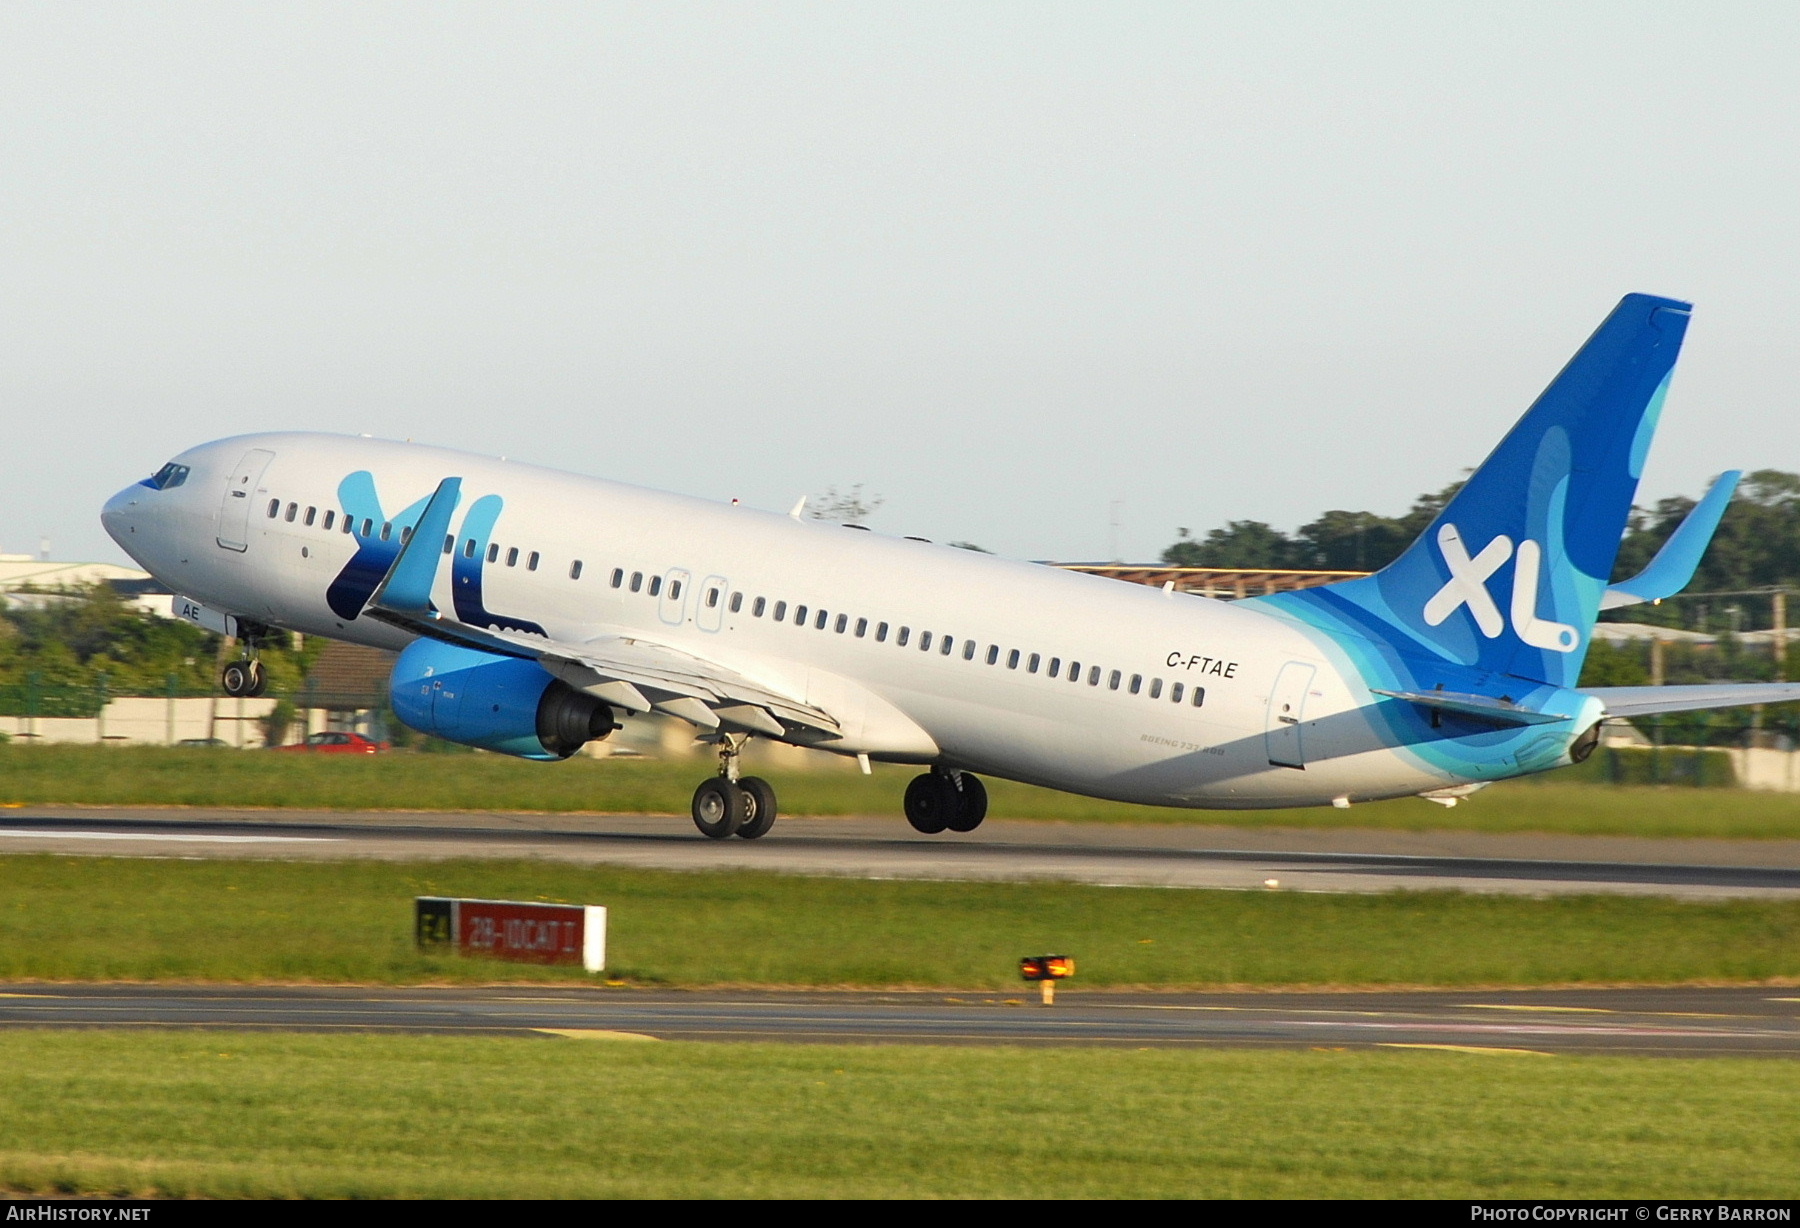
<point x="1508" y="578"/>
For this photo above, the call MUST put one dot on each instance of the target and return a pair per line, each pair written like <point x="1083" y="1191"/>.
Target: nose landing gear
<point x="244" y="679"/>
<point x="946" y="800"/>
<point x="728" y="805"/>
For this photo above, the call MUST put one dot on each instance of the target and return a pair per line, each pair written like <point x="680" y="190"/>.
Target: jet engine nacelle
<point x="498" y="703"/>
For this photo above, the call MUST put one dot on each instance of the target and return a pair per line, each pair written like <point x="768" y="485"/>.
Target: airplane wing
<point x="627" y="671"/>
<point x="1669" y="572"/>
<point x="1649" y="700"/>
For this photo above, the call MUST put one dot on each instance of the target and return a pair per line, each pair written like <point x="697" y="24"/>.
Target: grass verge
<point x="90" y="918"/>
<point x="157" y="776"/>
<point x="236" y="1115"/>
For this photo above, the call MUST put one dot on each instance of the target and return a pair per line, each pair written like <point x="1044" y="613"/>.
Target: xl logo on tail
<point x="1467" y="585"/>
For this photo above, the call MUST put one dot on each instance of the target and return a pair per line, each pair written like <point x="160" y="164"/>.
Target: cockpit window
<point x="168" y="477"/>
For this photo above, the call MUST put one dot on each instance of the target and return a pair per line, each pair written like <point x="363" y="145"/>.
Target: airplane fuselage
<point x="931" y="654"/>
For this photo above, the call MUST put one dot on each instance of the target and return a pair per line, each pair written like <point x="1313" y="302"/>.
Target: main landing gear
<point x="729" y="805"/>
<point x="943" y="800"/>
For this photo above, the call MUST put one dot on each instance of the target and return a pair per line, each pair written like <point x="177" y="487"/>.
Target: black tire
<point x="719" y="808"/>
<point x="235" y="679"/>
<point x="973" y="805"/>
<point x="259" y="679"/>
<point x="930" y="802"/>
<point x="760" y="796"/>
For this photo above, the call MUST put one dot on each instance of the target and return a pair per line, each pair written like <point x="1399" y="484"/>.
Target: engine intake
<point x="498" y="703"/>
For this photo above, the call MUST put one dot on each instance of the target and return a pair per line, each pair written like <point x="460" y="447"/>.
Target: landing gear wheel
<point x="719" y="808"/>
<point x="931" y="801"/>
<point x="972" y="807"/>
<point x="259" y="679"/>
<point x="236" y="679"/>
<point x="759" y="795"/>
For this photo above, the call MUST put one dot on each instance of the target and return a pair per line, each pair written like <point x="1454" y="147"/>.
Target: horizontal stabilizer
<point x="1649" y="700"/>
<point x="1481" y="706"/>
<point x="1673" y="567"/>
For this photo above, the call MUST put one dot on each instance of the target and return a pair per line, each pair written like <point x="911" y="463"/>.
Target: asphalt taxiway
<point x="1691" y="1022"/>
<point x="1172" y="855"/>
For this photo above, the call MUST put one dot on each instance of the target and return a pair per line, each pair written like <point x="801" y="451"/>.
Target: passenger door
<point x="240" y="494"/>
<point x="1287" y="709"/>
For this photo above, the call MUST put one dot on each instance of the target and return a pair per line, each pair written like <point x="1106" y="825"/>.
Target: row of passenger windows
<point x="386" y="533"/>
<point x="946" y="645"/>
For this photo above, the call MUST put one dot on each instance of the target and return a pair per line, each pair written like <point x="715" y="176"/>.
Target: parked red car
<point x="338" y="744"/>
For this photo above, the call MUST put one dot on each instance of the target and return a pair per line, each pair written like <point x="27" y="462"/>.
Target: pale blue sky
<point x="1002" y="264"/>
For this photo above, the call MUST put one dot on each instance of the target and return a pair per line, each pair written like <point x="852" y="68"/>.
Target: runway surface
<point x="1659" y="1022"/>
<point x="1174" y="855"/>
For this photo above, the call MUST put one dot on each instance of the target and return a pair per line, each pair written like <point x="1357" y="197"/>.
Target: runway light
<point x="1047" y="970"/>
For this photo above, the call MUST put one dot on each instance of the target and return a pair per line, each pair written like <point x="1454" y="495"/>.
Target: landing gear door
<point x="1287" y="708"/>
<point x="240" y="494"/>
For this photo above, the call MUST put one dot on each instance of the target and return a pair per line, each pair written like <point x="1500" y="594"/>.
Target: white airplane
<point x="533" y="608"/>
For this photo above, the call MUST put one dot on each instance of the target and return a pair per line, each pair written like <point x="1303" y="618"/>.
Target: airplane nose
<point x="119" y="516"/>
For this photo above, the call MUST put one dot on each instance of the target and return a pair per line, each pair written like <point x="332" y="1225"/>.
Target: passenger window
<point x="575" y="570"/>
<point x="1156" y="688"/>
<point x="637" y="581"/>
<point x="949" y="643"/>
<point x="674" y="590"/>
<point x="1137" y="683"/>
<point x="405" y="534"/>
<point x="757" y="607"/>
<point x="780" y="611"/>
<point x="1074" y="671"/>
<point x="655" y="585"/>
<point x="737" y="602"/>
<point x="1012" y="659"/>
<point x="512" y="557"/>
<point x="493" y="551"/>
<point x="368" y="527"/>
<point x="968" y="650"/>
<point x="469" y="548"/>
<point x="274" y="508"/>
<point x="819" y="622"/>
<point x="993" y="653"/>
<point x="387" y="529"/>
<point x="618" y="577"/>
<point x="1031" y="665"/>
<point x="712" y="598"/>
<point x="330" y="518"/>
<point x="311" y="512"/>
<point x="1199" y="696"/>
<point x="881" y="633"/>
<point x="1093" y="675"/>
<point x="1175" y="690"/>
<point x="924" y="641"/>
<point x="862" y="627"/>
<point x="532" y="562"/>
<point x="292" y="508"/>
<point x="1112" y="682"/>
<point x="905" y="634"/>
<point x="349" y="523"/>
<point x="799" y="616"/>
<point x="842" y="624"/>
<point x="1055" y="666"/>
<point x="449" y="541"/>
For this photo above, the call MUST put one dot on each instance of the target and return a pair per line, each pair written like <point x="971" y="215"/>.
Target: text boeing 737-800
<point x="533" y="608"/>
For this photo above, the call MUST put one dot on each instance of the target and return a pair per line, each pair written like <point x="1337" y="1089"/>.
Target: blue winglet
<point x="1673" y="567"/>
<point x="407" y="586"/>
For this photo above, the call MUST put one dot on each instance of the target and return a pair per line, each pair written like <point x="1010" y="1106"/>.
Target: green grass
<point x="91" y="918"/>
<point x="230" y="1114"/>
<point x="156" y="776"/>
